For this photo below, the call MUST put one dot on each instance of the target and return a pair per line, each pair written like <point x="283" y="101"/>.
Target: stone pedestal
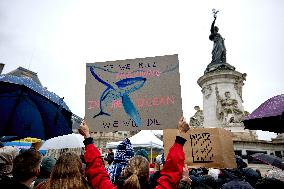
<point x="243" y="134"/>
<point x="222" y="99"/>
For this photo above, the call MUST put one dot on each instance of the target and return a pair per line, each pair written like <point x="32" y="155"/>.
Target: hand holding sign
<point x="185" y="174"/>
<point x="183" y="126"/>
<point x="84" y="130"/>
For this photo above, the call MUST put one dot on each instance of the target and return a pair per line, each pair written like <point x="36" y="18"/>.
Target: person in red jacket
<point x="136" y="173"/>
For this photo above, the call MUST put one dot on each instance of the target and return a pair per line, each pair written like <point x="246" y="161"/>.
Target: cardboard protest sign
<point x="134" y="94"/>
<point x="205" y="147"/>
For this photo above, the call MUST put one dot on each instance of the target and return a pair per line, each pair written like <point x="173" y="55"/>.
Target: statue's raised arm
<point x="219" y="50"/>
<point x="213" y="24"/>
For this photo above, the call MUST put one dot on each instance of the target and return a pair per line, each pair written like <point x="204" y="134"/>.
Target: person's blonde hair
<point x="67" y="173"/>
<point x="136" y="172"/>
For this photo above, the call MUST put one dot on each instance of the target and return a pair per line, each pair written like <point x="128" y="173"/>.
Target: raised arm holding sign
<point x="138" y="166"/>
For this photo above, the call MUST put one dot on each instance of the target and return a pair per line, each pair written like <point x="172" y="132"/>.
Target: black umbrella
<point x="269" y="116"/>
<point x="269" y="159"/>
<point x="29" y="110"/>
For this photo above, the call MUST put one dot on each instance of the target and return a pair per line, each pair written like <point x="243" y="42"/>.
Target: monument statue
<point x="227" y="109"/>
<point x="198" y="118"/>
<point x="219" y="50"/>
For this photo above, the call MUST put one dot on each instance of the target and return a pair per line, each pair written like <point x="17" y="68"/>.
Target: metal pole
<point x="151" y="154"/>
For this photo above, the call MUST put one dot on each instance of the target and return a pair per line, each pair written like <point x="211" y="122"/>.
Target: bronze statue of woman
<point x="219" y="49"/>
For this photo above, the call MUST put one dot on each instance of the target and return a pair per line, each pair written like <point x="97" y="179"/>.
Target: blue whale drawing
<point x="121" y="89"/>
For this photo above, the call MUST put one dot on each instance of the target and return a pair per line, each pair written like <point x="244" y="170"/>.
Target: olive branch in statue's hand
<point x="215" y="13"/>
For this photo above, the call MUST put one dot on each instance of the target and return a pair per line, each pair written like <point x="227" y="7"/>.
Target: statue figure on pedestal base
<point x="198" y="118"/>
<point x="219" y="50"/>
<point x="228" y="110"/>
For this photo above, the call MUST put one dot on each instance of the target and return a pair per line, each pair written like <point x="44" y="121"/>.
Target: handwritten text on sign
<point x="201" y="147"/>
<point x="140" y="103"/>
<point x="205" y="147"/>
<point x="133" y="94"/>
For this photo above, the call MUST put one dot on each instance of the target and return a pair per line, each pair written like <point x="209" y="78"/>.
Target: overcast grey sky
<point x="56" y="38"/>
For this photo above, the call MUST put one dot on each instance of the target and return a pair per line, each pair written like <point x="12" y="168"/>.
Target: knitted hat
<point x="142" y="152"/>
<point x="124" y="151"/>
<point x="48" y="163"/>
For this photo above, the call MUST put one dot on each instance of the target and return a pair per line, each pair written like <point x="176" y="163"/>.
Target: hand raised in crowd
<point x="84" y="130"/>
<point x="185" y="174"/>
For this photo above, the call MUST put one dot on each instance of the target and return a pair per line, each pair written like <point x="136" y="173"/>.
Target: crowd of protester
<point x="122" y="170"/>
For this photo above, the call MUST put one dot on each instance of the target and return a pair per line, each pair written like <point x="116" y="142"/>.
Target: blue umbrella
<point x="29" y="110"/>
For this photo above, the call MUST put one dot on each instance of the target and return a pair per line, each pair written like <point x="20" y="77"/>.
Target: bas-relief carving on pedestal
<point x="244" y="136"/>
<point x="198" y="118"/>
<point x="228" y="110"/>
<point x="206" y="90"/>
<point x="239" y="82"/>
